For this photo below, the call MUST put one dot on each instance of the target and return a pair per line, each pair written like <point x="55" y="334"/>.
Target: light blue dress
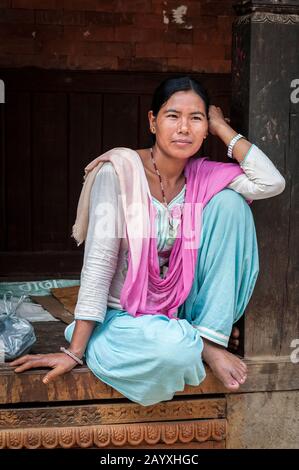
<point x="150" y="358"/>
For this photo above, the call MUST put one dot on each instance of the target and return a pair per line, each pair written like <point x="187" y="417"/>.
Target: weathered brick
<point x="116" y="49"/>
<point x="132" y="34"/>
<point x="211" y="66"/>
<point x="58" y="47"/>
<point x="205" y="23"/>
<point x="157" y="64"/>
<point x="149" y="21"/>
<point x="36" y="4"/>
<point x="16" y="31"/>
<point x="175" y="15"/>
<point x="15" y="46"/>
<point x="211" y="38"/>
<point x="117" y="34"/>
<point x="134" y="6"/>
<point x="86" y="5"/>
<point x="184" y="50"/>
<point x="180" y="64"/>
<point x="156" y="50"/>
<point x="49" y="16"/>
<point x="123" y="18"/>
<point x="207" y="52"/>
<point x="74" y="18"/>
<point x="228" y="52"/>
<point x="215" y="8"/>
<point x="33" y="60"/>
<point x="179" y="36"/>
<point x="92" y="62"/>
<point x="48" y="33"/>
<point x="88" y="33"/>
<point x="16" y="16"/>
<point x="158" y="6"/>
<point x="97" y="17"/>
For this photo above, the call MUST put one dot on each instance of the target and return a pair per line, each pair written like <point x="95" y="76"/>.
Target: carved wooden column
<point x="265" y="107"/>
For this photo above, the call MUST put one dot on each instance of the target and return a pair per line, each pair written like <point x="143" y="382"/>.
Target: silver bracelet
<point x="72" y="355"/>
<point x="232" y="144"/>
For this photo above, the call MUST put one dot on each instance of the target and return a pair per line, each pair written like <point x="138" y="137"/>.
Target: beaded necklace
<point x="170" y="218"/>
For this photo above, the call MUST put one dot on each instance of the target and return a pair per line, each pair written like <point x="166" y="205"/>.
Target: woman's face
<point x="181" y="124"/>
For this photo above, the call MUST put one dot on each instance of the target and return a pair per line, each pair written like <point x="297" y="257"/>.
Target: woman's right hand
<point x="59" y="362"/>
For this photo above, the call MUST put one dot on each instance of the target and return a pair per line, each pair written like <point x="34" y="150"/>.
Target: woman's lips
<point x="182" y="143"/>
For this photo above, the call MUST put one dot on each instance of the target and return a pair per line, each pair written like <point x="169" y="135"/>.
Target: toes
<point x="237" y="375"/>
<point x="240" y="364"/>
<point x="243" y="367"/>
<point x="235" y="332"/>
<point x="230" y="382"/>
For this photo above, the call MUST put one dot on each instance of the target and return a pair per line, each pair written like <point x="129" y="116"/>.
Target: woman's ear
<point x="152" y="121"/>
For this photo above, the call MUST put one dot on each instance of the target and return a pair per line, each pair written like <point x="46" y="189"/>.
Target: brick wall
<point x="147" y="35"/>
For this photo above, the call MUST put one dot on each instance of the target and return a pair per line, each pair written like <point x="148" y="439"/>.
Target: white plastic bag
<point x="16" y="334"/>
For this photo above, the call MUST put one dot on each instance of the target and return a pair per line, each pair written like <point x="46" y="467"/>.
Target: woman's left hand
<point x="216" y="119"/>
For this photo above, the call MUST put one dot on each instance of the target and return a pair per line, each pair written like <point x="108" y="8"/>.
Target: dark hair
<point x="171" y="85"/>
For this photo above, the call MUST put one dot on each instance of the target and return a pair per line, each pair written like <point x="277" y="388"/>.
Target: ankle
<point x="210" y="347"/>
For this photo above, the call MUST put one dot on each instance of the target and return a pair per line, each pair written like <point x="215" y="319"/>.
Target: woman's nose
<point x="183" y="126"/>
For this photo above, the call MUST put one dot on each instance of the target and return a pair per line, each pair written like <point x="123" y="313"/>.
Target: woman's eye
<point x="172" y="115"/>
<point x="196" y="118"/>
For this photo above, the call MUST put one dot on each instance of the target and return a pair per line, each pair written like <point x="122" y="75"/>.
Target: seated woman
<point x="171" y="255"/>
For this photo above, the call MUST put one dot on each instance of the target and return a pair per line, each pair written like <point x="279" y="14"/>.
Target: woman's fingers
<point x="23" y="359"/>
<point x="53" y="374"/>
<point x="32" y="364"/>
<point x="59" y="362"/>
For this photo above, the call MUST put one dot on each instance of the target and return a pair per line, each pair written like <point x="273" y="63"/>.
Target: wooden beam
<point x="80" y="384"/>
<point x="111" y="413"/>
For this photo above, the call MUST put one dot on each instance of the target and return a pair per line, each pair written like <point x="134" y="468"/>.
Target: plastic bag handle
<point x="7" y="298"/>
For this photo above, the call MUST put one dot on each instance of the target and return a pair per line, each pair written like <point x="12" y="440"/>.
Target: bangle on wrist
<point x="72" y="355"/>
<point x="232" y="144"/>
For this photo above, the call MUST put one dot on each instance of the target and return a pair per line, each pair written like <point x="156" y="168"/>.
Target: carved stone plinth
<point x="119" y="435"/>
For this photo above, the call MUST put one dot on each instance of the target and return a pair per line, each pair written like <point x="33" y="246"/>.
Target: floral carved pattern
<point x="89" y="415"/>
<point x="259" y="17"/>
<point x="115" y="435"/>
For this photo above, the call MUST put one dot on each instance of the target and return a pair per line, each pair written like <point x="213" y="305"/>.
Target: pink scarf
<point x="144" y="291"/>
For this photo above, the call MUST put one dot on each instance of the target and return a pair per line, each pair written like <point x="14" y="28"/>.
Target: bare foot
<point x="227" y="367"/>
<point x="233" y="342"/>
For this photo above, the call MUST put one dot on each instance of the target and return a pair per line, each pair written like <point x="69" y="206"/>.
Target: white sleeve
<point x="101" y="246"/>
<point x="261" y="179"/>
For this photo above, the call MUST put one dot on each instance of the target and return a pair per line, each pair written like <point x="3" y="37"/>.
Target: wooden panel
<point x="18" y="172"/>
<point x="144" y="134"/>
<point x="2" y="181"/>
<point x="260" y="95"/>
<point x="15" y="265"/>
<point x="120" y="116"/>
<point x="85" y="134"/>
<point x="263" y="420"/>
<point x="50" y="171"/>
<point x="77" y="81"/>
<point x="290" y="318"/>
